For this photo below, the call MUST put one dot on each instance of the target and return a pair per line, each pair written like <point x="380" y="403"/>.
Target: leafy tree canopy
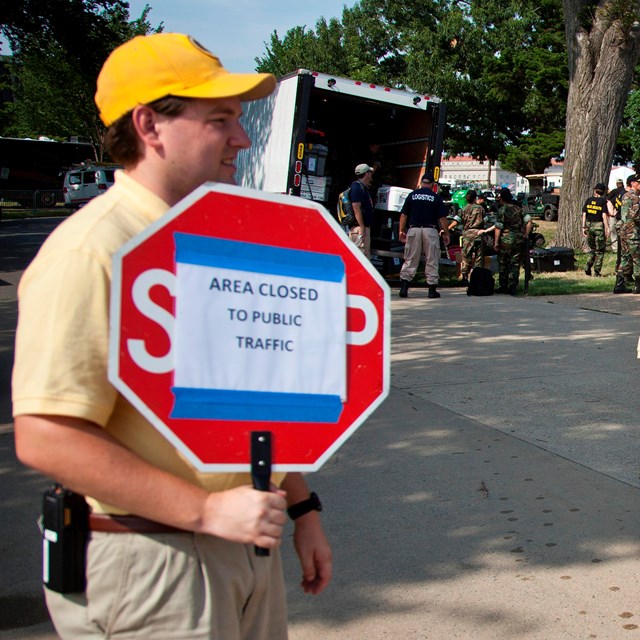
<point x="58" y="49"/>
<point x="532" y="153"/>
<point x="500" y="67"/>
<point x="630" y="132"/>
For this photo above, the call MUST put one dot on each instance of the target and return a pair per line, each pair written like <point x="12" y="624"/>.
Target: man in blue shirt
<point x="422" y="220"/>
<point x="362" y="208"/>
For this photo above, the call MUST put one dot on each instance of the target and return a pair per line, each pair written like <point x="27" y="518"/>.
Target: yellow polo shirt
<point x="61" y="355"/>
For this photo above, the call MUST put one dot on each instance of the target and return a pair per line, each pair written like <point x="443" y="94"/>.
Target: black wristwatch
<point x="312" y="503"/>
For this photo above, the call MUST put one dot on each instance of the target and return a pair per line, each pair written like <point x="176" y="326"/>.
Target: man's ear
<point x="145" y="121"/>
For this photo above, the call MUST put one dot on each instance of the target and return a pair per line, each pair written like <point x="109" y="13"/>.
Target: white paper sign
<point x="260" y="332"/>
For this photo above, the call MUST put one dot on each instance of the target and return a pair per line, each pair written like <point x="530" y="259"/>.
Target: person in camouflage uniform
<point x="615" y="197"/>
<point x="595" y="227"/>
<point x="472" y="220"/>
<point x="629" y="238"/>
<point x="513" y="225"/>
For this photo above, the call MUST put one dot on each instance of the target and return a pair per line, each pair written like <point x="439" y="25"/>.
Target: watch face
<point x="315" y="501"/>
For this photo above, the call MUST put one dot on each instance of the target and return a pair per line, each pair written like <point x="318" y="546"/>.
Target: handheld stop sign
<point x="241" y="312"/>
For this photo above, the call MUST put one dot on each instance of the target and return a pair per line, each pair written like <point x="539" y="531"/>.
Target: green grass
<point x="17" y="213"/>
<point x="556" y="283"/>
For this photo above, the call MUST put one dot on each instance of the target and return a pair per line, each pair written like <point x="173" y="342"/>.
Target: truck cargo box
<point x="320" y="125"/>
<point x="311" y="133"/>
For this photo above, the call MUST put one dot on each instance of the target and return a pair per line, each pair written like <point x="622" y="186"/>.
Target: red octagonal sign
<point x="240" y="311"/>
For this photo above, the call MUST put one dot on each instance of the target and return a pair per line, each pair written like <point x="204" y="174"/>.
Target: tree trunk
<point x="601" y="67"/>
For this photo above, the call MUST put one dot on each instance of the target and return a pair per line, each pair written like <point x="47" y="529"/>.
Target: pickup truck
<point x="543" y="205"/>
<point x="544" y="198"/>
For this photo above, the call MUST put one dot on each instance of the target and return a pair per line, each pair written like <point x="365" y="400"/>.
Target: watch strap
<point x="312" y="503"/>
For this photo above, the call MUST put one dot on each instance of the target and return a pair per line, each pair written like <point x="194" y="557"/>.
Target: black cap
<point x="632" y="178"/>
<point x="505" y="194"/>
<point x="427" y="177"/>
<point x="600" y="187"/>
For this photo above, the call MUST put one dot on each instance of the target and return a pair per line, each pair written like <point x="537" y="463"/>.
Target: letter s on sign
<point x="140" y="293"/>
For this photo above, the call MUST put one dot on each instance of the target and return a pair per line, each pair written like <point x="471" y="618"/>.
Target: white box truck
<point x="310" y="134"/>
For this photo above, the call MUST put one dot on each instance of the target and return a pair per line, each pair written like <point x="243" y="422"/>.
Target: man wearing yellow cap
<point x="170" y="552"/>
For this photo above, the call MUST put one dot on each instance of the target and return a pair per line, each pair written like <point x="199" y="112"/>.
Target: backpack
<point x="345" y="209"/>
<point x="480" y="282"/>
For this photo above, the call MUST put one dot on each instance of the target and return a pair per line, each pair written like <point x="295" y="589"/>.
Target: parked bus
<point x="37" y="167"/>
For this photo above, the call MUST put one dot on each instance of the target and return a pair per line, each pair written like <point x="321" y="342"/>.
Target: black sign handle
<point x="261" y="468"/>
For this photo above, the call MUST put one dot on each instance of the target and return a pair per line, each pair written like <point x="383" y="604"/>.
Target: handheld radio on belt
<point x="65" y="518"/>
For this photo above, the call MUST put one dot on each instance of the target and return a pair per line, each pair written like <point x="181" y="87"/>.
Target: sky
<point x="236" y="30"/>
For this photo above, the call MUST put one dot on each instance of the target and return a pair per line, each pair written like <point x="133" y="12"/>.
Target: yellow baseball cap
<point x="151" y="67"/>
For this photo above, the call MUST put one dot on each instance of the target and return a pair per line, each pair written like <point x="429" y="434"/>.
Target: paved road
<point x="493" y="496"/>
<point x="22" y="611"/>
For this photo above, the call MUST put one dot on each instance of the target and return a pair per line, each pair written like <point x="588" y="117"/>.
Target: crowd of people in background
<point x="481" y="230"/>
<point x="500" y="227"/>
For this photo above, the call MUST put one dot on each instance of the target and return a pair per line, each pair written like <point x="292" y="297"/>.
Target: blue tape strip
<point x="215" y="404"/>
<point x="257" y="258"/>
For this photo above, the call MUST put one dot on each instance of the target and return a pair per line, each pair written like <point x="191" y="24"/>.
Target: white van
<point x="83" y="184"/>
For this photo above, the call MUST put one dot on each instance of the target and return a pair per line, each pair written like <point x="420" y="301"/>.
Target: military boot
<point x="620" y="286"/>
<point x="432" y="292"/>
<point x="636" y="287"/>
<point x="404" y="288"/>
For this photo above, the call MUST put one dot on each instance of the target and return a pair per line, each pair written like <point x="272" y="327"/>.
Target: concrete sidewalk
<point x="495" y="494"/>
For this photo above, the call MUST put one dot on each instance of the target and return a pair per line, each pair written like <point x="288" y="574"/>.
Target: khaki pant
<point x="613" y="235"/>
<point x="173" y="587"/>
<point x="421" y="240"/>
<point x="361" y="240"/>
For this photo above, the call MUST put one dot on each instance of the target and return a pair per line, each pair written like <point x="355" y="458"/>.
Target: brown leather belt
<point x="128" y="524"/>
